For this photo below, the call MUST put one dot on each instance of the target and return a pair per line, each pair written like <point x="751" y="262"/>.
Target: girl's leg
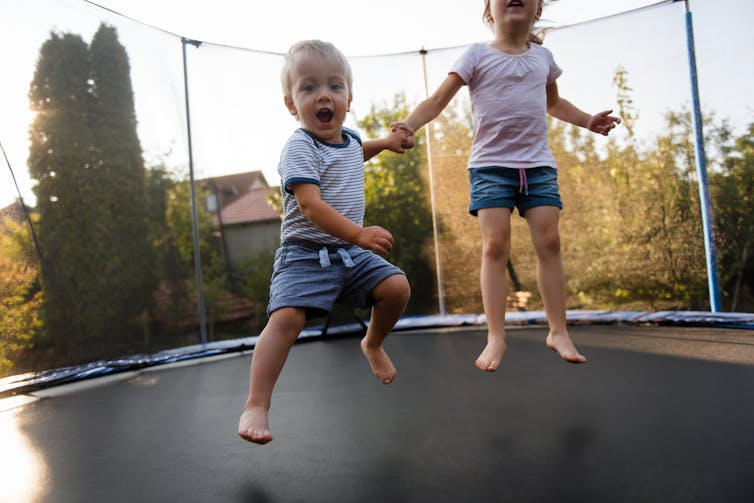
<point x="496" y="241"/>
<point x="267" y="361"/>
<point x="543" y="226"/>
<point x="390" y="299"/>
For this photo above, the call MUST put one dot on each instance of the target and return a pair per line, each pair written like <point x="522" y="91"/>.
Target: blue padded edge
<point x="27" y="383"/>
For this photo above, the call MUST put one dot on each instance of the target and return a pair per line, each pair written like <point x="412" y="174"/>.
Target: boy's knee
<point x="395" y="288"/>
<point x="403" y="289"/>
<point x="288" y="319"/>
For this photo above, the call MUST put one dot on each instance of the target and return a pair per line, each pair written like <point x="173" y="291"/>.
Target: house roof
<point x="228" y="188"/>
<point x="249" y="208"/>
<point x="236" y="183"/>
<point x="14" y="212"/>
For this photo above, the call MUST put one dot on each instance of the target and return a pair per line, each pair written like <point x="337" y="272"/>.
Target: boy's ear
<point x="290" y="105"/>
<point x="350" y="97"/>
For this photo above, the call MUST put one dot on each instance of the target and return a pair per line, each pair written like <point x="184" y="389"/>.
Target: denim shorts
<point x="315" y="276"/>
<point x="499" y="187"/>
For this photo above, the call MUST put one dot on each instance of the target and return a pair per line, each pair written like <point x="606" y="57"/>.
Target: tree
<point x="180" y="234"/>
<point x="397" y="199"/>
<point x="733" y="194"/>
<point x="168" y="271"/>
<point x="20" y="296"/>
<point x="459" y="234"/>
<point x="256" y="273"/>
<point x="123" y="292"/>
<point x="86" y="158"/>
<point x="59" y="160"/>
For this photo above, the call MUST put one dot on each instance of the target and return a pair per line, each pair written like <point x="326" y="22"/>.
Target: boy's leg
<point x="390" y="299"/>
<point x="543" y="226"/>
<point x="496" y="239"/>
<point x="267" y="361"/>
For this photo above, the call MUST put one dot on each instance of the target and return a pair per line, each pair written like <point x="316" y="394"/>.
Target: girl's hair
<point x="535" y="36"/>
<point x="311" y="48"/>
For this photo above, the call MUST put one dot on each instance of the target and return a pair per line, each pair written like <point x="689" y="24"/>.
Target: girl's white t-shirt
<point x="509" y="105"/>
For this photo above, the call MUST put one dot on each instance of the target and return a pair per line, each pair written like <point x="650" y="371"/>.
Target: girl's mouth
<point x="324" y="115"/>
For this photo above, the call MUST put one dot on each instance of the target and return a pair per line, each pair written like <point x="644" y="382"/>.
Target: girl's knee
<point x="496" y="249"/>
<point x="549" y="244"/>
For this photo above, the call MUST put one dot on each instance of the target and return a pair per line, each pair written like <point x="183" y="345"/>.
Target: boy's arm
<point x="566" y="111"/>
<point x="327" y="218"/>
<point x="397" y="141"/>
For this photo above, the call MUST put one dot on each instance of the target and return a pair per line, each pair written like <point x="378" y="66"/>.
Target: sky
<point x="237" y="117"/>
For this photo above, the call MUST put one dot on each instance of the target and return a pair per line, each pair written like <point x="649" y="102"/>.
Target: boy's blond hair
<point x="313" y="47"/>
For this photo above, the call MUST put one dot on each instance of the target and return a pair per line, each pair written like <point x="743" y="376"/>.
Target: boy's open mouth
<point x="324" y="115"/>
<point x="515" y="3"/>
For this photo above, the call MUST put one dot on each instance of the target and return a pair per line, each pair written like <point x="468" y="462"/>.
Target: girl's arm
<point x="566" y="111"/>
<point x="327" y="218"/>
<point x="432" y="106"/>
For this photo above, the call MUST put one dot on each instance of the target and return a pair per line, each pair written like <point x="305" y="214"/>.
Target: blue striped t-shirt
<point x="338" y="169"/>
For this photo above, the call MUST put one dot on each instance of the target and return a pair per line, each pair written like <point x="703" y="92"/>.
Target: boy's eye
<point x="308" y="88"/>
<point x="336" y="87"/>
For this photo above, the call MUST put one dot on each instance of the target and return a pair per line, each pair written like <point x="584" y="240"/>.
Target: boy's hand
<point x="408" y="133"/>
<point x="375" y="238"/>
<point x="602" y="122"/>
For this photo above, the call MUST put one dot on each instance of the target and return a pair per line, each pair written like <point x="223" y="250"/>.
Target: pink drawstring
<point x="523" y="185"/>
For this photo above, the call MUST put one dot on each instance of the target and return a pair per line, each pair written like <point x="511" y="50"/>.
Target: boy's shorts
<point x="499" y="187"/>
<point x="317" y="276"/>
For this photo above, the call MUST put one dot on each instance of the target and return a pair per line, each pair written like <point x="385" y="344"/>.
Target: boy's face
<point x="319" y="96"/>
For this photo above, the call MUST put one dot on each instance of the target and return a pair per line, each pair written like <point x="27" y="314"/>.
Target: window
<point x="211" y="203"/>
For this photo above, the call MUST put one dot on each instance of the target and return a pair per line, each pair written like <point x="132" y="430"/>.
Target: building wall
<point x="245" y="241"/>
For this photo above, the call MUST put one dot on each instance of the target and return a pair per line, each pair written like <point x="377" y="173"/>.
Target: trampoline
<point x="659" y="413"/>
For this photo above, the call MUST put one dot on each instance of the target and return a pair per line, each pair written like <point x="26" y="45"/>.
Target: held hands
<point x="375" y="238"/>
<point x="406" y="132"/>
<point x="399" y="140"/>
<point x="602" y="122"/>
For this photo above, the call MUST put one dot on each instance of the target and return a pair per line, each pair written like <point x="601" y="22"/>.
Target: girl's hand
<point x="602" y="122"/>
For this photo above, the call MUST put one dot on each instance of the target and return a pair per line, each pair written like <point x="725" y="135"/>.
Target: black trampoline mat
<point x="657" y="414"/>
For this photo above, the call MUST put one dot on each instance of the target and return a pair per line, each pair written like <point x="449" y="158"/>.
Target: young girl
<point x="512" y="86"/>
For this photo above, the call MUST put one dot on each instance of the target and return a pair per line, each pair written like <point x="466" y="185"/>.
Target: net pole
<point x="194" y="214"/>
<point x="701" y="168"/>
<point x="428" y="135"/>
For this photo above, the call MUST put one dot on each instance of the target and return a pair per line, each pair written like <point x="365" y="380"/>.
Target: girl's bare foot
<point x="381" y="365"/>
<point x="563" y="345"/>
<point x="493" y="353"/>
<point x="253" y="425"/>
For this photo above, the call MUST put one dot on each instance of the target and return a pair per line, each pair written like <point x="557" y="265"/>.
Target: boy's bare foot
<point x="493" y="353"/>
<point x="253" y="425"/>
<point x="563" y="345"/>
<point x="381" y="365"/>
